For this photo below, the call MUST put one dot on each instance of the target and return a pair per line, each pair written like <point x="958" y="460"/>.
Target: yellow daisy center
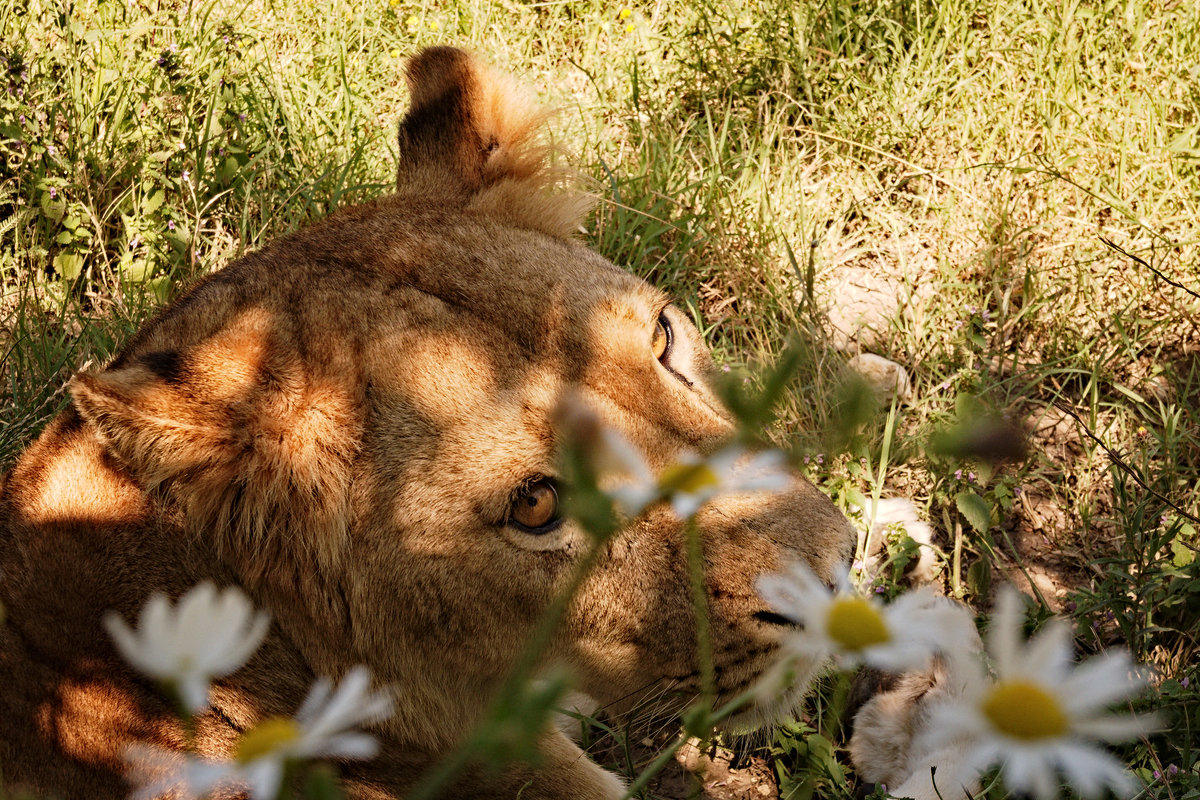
<point x="1024" y="710"/>
<point x="855" y="623"/>
<point x="265" y="737"/>
<point x="689" y="478"/>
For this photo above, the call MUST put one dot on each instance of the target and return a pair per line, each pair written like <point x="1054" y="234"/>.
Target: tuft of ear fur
<point x="252" y="457"/>
<point x="472" y="138"/>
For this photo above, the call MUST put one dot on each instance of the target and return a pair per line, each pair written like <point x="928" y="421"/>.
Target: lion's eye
<point x="535" y="509"/>
<point x="660" y="345"/>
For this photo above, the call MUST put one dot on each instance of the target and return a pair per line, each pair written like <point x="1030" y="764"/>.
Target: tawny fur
<point x="337" y="424"/>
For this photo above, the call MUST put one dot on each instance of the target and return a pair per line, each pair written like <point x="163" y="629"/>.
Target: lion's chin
<point x="775" y="697"/>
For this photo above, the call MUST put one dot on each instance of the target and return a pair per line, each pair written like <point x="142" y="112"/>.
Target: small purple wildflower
<point x="1157" y="775"/>
<point x="22" y="119"/>
<point x="958" y="474"/>
<point x="820" y="458"/>
<point x="53" y="192"/>
<point x="1172" y="770"/>
<point x="806" y="459"/>
<point x="1018" y="491"/>
<point x="225" y="39"/>
<point x="971" y="476"/>
<point x="186" y="175"/>
<point x="987" y="315"/>
<point x="879" y="590"/>
<point x="724" y="368"/>
<point x="1185" y="682"/>
<point x="857" y="565"/>
<point x="170" y="224"/>
<point x="52" y="150"/>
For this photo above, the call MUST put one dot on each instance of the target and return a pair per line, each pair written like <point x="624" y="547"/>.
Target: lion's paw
<point x="889" y="745"/>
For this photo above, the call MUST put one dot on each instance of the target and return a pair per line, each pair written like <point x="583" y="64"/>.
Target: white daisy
<point x="156" y="772"/>
<point x="324" y="727"/>
<point x="688" y="483"/>
<point x="1041" y="714"/>
<point x="618" y="460"/>
<point x="854" y="629"/>
<point x="693" y="480"/>
<point x="207" y="634"/>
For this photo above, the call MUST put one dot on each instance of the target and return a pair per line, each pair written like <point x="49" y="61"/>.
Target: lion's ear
<point x="255" y="457"/>
<point x="472" y="138"/>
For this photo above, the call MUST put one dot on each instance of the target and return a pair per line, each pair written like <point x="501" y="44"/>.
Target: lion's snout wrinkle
<point x="771" y="618"/>
<point x="339" y="424"/>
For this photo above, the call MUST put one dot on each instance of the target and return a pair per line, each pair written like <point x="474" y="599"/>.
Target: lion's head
<point x="357" y="424"/>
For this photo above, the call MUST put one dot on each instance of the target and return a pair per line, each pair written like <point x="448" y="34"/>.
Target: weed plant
<point x="1018" y="180"/>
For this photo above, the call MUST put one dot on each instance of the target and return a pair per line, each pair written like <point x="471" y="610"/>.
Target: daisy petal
<point x="1091" y="771"/>
<point x="350" y="745"/>
<point x="1113" y="728"/>
<point x="1029" y="770"/>
<point x="1004" y="632"/>
<point x="264" y="777"/>
<point x="1100" y="681"/>
<point x="1048" y="655"/>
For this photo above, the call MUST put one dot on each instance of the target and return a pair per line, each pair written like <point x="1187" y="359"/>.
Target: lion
<point x="356" y="425"/>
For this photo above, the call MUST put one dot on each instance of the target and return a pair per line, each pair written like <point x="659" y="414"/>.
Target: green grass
<point x="748" y="155"/>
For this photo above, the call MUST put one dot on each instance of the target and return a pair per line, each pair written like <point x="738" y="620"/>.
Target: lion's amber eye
<point x="661" y="343"/>
<point x="536" y="507"/>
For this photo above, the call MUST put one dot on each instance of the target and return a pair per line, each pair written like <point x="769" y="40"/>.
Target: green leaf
<point x="153" y="202"/>
<point x="1185" y="142"/>
<point x="975" y="510"/>
<point x="53" y="208"/>
<point x="136" y="269"/>
<point x="161" y="288"/>
<point x="1181" y="554"/>
<point x="68" y="265"/>
<point x="855" y="497"/>
<point x="1130" y="393"/>
<point x="228" y="171"/>
<point x="979" y="577"/>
